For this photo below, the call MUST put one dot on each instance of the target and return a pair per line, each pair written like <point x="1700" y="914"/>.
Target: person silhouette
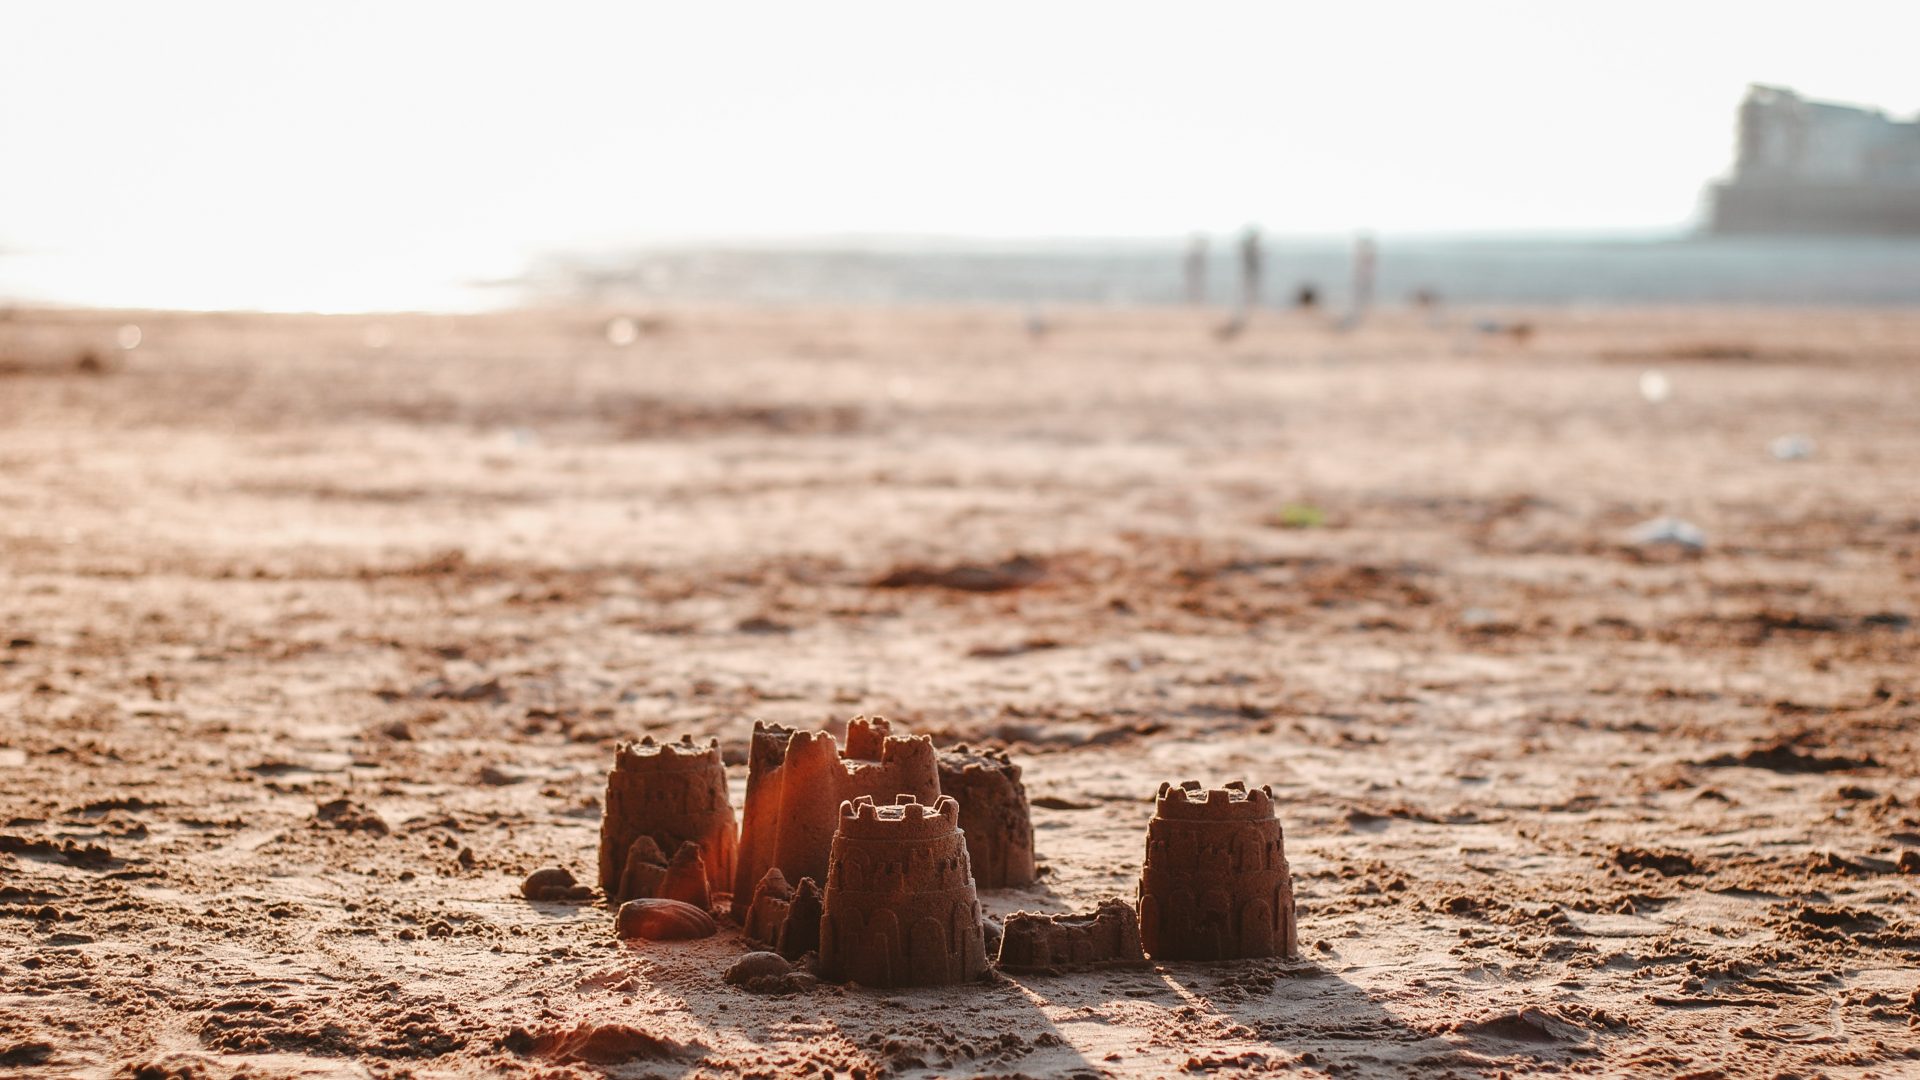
<point x="1251" y="259"/>
<point x="1196" y="269"/>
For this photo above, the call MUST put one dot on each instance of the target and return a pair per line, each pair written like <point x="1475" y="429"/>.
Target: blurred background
<point x="355" y="157"/>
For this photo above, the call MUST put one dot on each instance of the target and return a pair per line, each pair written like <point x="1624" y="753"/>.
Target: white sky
<point x="320" y="145"/>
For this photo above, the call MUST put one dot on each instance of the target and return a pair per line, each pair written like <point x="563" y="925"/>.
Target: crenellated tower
<point x="900" y="906"/>
<point x="667" y="794"/>
<point x="1216" y="885"/>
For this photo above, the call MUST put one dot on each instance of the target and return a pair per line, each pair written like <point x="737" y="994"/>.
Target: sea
<point x="1488" y="272"/>
<point x="1485" y="272"/>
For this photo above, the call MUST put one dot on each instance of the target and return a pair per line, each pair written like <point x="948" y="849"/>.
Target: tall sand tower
<point x="900" y="907"/>
<point x="1216" y="884"/>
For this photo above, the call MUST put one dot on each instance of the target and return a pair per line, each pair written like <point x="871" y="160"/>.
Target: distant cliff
<point x="1817" y="168"/>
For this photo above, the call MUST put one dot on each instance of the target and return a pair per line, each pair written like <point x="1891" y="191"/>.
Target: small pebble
<point x="553" y="883"/>
<point x="757" y="965"/>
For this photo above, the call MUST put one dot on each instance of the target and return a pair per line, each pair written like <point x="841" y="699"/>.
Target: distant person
<point x="1307" y="297"/>
<point x="1428" y="301"/>
<point x="1250" y="268"/>
<point x="1038" y="325"/>
<point x="1196" y="269"/>
<point x="1364" y="261"/>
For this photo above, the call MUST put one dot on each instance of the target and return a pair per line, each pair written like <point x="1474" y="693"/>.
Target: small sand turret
<point x="686" y="878"/>
<point x="900" y="904"/>
<point x="645" y="871"/>
<point x="800" y="934"/>
<point x="993" y="813"/>
<point x="796" y="781"/>
<point x="767" y="912"/>
<point x="671" y="794"/>
<point x="1216" y="884"/>
<point x="784" y="918"/>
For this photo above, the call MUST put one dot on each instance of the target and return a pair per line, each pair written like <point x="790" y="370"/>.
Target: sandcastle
<point x="660" y="797"/>
<point x="993" y="814"/>
<point x="900" y="906"/>
<point x="1110" y="937"/>
<point x="1215" y="885"/>
<point x="796" y="781"/>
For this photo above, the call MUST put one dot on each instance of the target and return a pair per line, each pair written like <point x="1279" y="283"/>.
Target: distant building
<point x="1812" y="167"/>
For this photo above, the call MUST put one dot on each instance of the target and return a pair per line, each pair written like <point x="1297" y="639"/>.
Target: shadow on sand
<point x="1300" y="1014"/>
<point x="993" y="1027"/>
<point x="1312" y="1016"/>
<point x="1227" y="1018"/>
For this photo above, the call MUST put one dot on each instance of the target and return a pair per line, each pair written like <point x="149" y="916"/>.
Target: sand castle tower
<point x="796" y="781"/>
<point x="1215" y="885"/>
<point x="900" y="908"/>
<point x="670" y="794"/>
<point x="993" y="813"/>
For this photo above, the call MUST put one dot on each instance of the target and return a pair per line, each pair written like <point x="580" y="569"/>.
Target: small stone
<point x="553" y="883"/>
<point x="757" y="965"/>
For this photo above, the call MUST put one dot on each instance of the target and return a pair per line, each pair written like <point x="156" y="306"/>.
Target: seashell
<point x="662" y="920"/>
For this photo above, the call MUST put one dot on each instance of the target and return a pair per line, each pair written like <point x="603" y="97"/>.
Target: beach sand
<point x="1554" y="801"/>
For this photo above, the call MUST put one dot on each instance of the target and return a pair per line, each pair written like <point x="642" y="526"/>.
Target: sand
<point x="317" y="634"/>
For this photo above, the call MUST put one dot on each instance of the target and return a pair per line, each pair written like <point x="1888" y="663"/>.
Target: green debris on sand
<point x="1298" y="516"/>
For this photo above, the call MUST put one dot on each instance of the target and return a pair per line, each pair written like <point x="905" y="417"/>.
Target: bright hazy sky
<point x="325" y="147"/>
